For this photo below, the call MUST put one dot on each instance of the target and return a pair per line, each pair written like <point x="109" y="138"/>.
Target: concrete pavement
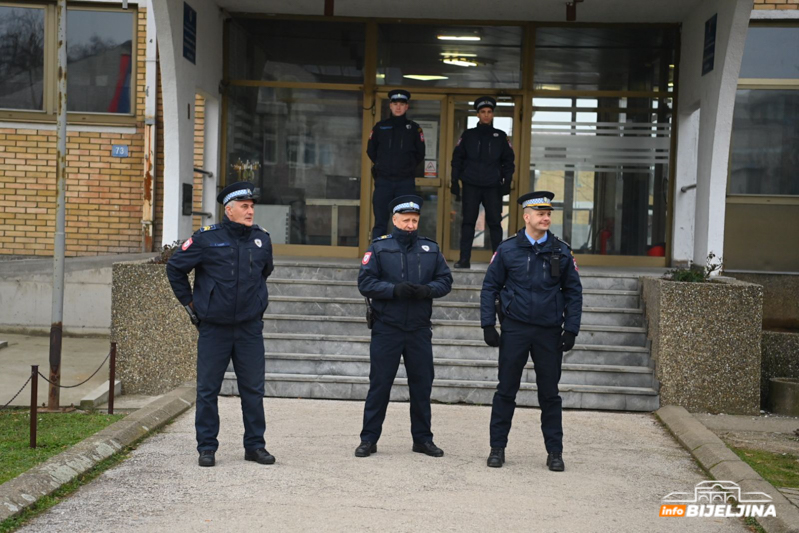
<point x="618" y="468"/>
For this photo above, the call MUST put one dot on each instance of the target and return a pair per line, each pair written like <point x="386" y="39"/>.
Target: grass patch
<point x="781" y="470"/>
<point x="56" y="432"/>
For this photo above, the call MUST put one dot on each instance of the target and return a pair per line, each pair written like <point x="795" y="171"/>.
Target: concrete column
<point x="707" y="99"/>
<point x="180" y="81"/>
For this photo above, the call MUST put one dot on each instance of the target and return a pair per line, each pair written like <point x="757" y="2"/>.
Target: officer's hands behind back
<point x="404" y="291"/>
<point x="491" y="336"/>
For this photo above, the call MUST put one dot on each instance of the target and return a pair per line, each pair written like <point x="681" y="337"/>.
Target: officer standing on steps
<point x="231" y="262"/>
<point x="534" y="275"/>
<point x="396" y="147"/>
<point x="402" y="273"/>
<point x="483" y="161"/>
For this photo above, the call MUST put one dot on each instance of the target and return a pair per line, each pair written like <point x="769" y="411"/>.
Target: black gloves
<point x="422" y="292"/>
<point x="567" y="341"/>
<point x="455" y="189"/>
<point x="404" y="291"/>
<point x="491" y="336"/>
<point x="504" y="186"/>
<point x="192" y="315"/>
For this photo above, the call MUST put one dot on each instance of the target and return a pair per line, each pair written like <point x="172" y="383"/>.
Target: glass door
<point x="462" y="117"/>
<point x="428" y="111"/>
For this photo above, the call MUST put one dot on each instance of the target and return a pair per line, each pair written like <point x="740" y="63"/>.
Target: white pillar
<point x="707" y="100"/>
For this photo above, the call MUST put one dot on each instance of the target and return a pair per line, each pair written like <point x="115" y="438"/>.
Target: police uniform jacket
<point x="483" y="157"/>
<point x="231" y="263"/>
<point x="387" y="262"/>
<point x="521" y="275"/>
<point x="396" y="147"/>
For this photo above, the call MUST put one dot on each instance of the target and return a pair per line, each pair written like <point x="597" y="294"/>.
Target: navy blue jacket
<point x="483" y="157"/>
<point x="392" y="259"/>
<point x="521" y="275"/>
<point x="231" y="263"/>
<point x="396" y="147"/>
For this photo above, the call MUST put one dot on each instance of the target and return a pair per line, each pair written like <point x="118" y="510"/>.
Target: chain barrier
<point x="18" y="393"/>
<point x="82" y="382"/>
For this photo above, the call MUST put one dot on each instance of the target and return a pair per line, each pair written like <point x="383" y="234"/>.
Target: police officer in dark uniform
<point x="231" y="262"/>
<point x="483" y="161"/>
<point x="402" y="273"/>
<point x="396" y="147"/>
<point x="534" y="275"/>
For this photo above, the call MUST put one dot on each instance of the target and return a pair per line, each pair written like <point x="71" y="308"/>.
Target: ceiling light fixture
<point x="459" y="62"/>
<point x="457" y="54"/>
<point x="423" y="77"/>
<point x="466" y="37"/>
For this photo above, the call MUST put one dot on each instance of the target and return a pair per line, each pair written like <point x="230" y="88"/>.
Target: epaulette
<point x="509" y="239"/>
<point x="382" y="237"/>
<point x="428" y="239"/>
<point x="256" y="226"/>
<point x="569" y="246"/>
<point x="209" y="228"/>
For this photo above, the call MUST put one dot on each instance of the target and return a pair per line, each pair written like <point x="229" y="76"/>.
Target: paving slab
<point x="619" y="466"/>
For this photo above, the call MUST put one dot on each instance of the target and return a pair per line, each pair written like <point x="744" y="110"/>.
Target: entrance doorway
<point x="443" y="118"/>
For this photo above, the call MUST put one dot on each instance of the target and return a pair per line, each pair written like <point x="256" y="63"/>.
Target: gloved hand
<point x="455" y="189"/>
<point x="404" y="291"/>
<point x="491" y="336"/>
<point x="567" y="341"/>
<point x="422" y="292"/>
<point x="504" y="187"/>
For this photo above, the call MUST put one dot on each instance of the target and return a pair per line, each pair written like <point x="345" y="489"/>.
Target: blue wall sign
<point x="120" y="150"/>
<point x="189" y="33"/>
<point x="709" y="52"/>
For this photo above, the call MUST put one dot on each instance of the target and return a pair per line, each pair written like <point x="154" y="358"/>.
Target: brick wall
<point x="199" y="154"/>
<point x="104" y="193"/>
<point x="776" y="4"/>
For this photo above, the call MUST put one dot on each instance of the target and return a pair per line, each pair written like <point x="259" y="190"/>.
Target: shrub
<point x="166" y="252"/>
<point x="695" y="274"/>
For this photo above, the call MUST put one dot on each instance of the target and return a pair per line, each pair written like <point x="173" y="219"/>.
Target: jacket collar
<point x="523" y="241"/>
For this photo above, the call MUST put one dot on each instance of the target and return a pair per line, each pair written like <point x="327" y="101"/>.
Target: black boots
<point x="365" y="449"/>
<point x="428" y="448"/>
<point x="259" y="456"/>
<point x="555" y="462"/>
<point x="496" y="458"/>
<point x="207" y="458"/>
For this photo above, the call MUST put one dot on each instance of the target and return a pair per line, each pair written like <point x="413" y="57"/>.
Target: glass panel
<point x="296" y="50"/>
<point x="423" y="55"/>
<point x="99" y="61"/>
<point x="606" y="160"/>
<point x="465" y="117"/>
<point x="605" y="59"/>
<point x="21" y="58"/>
<point x="765" y="142"/>
<point x="303" y="149"/>
<point x="771" y="53"/>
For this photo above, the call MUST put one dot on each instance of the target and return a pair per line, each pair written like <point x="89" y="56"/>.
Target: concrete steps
<point x="451" y="391"/>
<point x="316" y="342"/>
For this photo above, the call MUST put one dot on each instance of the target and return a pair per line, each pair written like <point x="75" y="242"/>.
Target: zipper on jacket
<point x="419" y="257"/>
<point x="402" y="262"/>
<point x="250" y="252"/>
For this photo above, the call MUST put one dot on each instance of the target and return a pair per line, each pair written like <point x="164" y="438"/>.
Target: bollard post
<point x="34" y="399"/>
<point x="112" y="370"/>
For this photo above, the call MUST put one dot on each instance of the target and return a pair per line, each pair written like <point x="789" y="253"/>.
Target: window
<point x="21" y="58"/>
<point x="100" y="62"/>
<point x="765" y="126"/>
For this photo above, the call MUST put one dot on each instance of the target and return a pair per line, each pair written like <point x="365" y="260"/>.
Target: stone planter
<point x="783" y="397"/>
<point x="156" y="342"/>
<point x="780" y="359"/>
<point x="706" y="343"/>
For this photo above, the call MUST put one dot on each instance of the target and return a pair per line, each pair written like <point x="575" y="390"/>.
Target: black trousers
<point x="385" y="191"/>
<point x="416" y="349"/>
<point x="217" y="345"/>
<point x="472" y="197"/>
<point x="518" y="341"/>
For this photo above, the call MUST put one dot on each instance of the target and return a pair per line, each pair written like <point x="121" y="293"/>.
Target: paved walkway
<point x="618" y="468"/>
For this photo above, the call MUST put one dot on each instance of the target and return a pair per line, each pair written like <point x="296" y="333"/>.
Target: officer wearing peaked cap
<point x="231" y="262"/>
<point x="401" y="273"/>
<point x="396" y="147"/>
<point x="483" y="161"/>
<point x="534" y="276"/>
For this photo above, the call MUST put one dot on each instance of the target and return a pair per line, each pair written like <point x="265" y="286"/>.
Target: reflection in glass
<point x="295" y="50"/>
<point x="99" y="61"/>
<point x="605" y="59"/>
<point x="765" y="142"/>
<point x="21" y="58"/>
<point x="429" y="56"/>
<point x="466" y="117"/>
<point x="426" y="113"/>
<point x="302" y="148"/>
<point x="771" y="52"/>
<point x="606" y="160"/>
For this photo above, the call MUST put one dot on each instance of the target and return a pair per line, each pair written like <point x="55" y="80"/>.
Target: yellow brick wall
<point x="199" y="143"/>
<point x="104" y="193"/>
<point x="776" y="4"/>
